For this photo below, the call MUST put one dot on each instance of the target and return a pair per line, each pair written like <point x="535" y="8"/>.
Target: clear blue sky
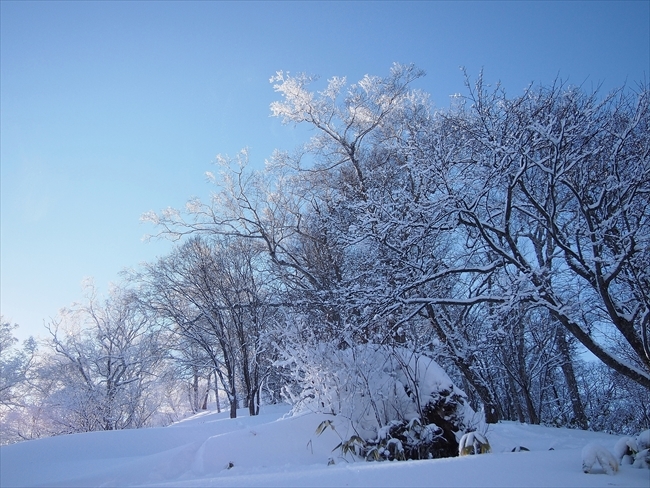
<point x="111" y="109"/>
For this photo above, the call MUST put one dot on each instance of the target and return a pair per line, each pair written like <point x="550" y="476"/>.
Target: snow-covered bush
<point x="642" y="459"/>
<point x="634" y="450"/>
<point x="625" y="450"/>
<point x="400" y="404"/>
<point x="475" y="443"/>
<point x="595" y="453"/>
<point x="643" y="440"/>
<point x="642" y="456"/>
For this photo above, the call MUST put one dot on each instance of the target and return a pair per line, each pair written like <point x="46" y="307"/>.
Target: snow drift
<point x="278" y="449"/>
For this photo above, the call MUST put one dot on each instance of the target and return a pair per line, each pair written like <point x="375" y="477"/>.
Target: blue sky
<point x="112" y="109"/>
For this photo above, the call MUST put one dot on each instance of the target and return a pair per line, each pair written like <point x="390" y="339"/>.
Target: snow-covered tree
<point x="499" y="227"/>
<point x="209" y="291"/>
<point x="106" y="356"/>
<point x="559" y="198"/>
<point x="16" y="365"/>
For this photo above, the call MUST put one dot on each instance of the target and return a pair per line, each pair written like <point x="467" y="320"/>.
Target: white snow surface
<point x="278" y="449"/>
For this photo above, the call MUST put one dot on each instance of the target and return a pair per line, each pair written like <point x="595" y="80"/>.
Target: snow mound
<point x="593" y="453"/>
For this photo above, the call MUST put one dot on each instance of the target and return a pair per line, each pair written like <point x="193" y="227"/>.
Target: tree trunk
<point x="579" y="416"/>
<point x="216" y="392"/>
<point x="233" y="406"/>
<point x="204" y="405"/>
<point x="194" y="392"/>
<point x="530" y="407"/>
<point x="515" y="400"/>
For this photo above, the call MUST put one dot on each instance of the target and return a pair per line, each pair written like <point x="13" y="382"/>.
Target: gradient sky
<point x="111" y="109"/>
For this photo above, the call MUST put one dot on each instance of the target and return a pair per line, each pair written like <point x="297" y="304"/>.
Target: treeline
<point x="506" y="238"/>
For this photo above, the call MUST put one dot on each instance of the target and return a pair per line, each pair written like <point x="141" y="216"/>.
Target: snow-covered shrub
<point x="642" y="459"/>
<point x="400" y="404"/>
<point x="634" y="451"/>
<point x="625" y="450"/>
<point x="593" y="453"/>
<point x="642" y="456"/>
<point x="643" y="440"/>
<point x="402" y="440"/>
<point x="474" y="443"/>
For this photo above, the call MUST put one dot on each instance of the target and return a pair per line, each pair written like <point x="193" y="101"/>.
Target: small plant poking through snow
<point x="474" y="443"/>
<point x="521" y="449"/>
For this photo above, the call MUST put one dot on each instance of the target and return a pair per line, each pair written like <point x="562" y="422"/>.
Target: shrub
<point x="400" y="404"/>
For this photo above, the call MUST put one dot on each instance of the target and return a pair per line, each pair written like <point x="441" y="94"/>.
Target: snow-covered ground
<point x="274" y="449"/>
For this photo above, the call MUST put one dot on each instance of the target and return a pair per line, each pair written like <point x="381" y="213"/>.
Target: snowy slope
<point x="276" y="450"/>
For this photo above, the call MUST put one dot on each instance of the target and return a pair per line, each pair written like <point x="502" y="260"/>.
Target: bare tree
<point x="14" y="363"/>
<point x="104" y="362"/>
<point x="209" y="290"/>
<point x="562" y="203"/>
<point x="16" y="367"/>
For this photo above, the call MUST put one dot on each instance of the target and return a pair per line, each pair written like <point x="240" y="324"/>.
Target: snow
<point x="594" y="453"/>
<point x="624" y="449"/>
<point x="643" y="440"/>
<point x="278" y="449"/>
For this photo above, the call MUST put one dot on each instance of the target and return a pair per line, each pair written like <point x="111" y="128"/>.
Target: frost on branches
<point x="510" y="233"/>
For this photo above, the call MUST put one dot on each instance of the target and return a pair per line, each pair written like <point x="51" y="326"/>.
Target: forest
<point x="502" y="242"/>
